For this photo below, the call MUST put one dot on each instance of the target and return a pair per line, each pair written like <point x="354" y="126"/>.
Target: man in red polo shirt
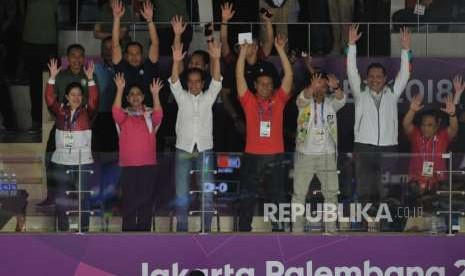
<point x="264" y="139"/>
<point x="427" y="144"/>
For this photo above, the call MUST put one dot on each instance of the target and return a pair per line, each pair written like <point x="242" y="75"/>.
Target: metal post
<point x="450" y="194"/>
<point x="426" y="40"/>
<point x="79" y="192"/>
<point x="368" y="39"/>
<point x="203" y="171"/>
<point x="79" y="195"/>
<point x="76" y="24"/>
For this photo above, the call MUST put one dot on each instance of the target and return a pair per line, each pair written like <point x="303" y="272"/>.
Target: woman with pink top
<point x="137" y="126"/>
<point x="73" y="141"/>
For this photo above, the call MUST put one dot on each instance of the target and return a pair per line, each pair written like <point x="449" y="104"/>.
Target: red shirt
<point x="270" y="110"/>
<point x="422" y="150"/>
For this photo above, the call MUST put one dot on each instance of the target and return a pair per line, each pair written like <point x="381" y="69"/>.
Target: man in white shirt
<point x="376" y="123"/>
<point x="194" y="126"/>
<point x="316" y="143"/>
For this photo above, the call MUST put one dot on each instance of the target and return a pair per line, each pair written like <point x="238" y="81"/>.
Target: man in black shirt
<point x="137" y="71"/>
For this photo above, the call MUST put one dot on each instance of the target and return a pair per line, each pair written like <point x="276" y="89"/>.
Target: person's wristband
<point x="149" y="21"/>
<point x="453" y="115"/>
<point x="336" y="88"/>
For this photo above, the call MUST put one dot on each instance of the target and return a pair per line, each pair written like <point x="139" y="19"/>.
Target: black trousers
<point x="6" y="108"/>
<point x="69" y="202"/>
<point x="138" y="186"/>
<point x="370" y="164"/>
<point x="36" y="57"/>
<point x="257" y="169"/>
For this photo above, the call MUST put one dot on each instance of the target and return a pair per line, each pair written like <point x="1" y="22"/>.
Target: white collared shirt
<point x="194" y="124"/>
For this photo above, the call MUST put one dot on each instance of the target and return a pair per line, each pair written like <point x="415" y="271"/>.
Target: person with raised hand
<point x="179" y="27"/>
<point x="194" y="129"/>
<point x="137" y="70"/>
<point x="428" y="142"/>
<point x="73" y="138"/>
<point x="376" y="119"/>
<point x="137" y="126"/>
<point x="74" y="72"/>
<point x="316" y="142"/>
<point x="264" y="134"/>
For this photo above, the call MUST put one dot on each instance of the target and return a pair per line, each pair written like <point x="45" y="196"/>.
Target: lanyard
<point x="322" y="114"/>
<point x="265" y="113"/>
<point x="69" y="126"/>
<point x="425" y="143"/>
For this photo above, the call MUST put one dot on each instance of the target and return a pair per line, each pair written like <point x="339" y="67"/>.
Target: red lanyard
<point x="424" y="148"/>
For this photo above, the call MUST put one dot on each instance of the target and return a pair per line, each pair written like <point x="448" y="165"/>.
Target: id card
<point x="428" y="168"/>
<point x="419" y="10"/>
<point x="68" y="140"/>
<point x="319" y="134"/>
<point x="265" y="129"/>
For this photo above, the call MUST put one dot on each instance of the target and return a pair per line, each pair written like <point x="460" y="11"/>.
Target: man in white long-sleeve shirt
<point x="376" y="122"/>
<point x="194" y="130"/>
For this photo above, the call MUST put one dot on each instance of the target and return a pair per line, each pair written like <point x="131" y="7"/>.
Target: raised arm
<point x="147" y="13"/>
<point x="453" y="122"/>
<point x="352" y="70"/>
<point x="214" y="49"/>
<point x="286" y="83"/>
<point x="118" y="115"/>
<point x="178" y="56"/>
<point x="120" y="83"/>
<point x="227" y="13"/>
<point x="92" y="103"/>
<point x="241" y="83"/>
<point x="459" y="87"/>
<point x="50" y="97"/>
<point x="415" y="106"/>
<point x="178" y="29"/>
<point x="179" y="26"/>
<point x="155" y="89"/>
<point x="405" y="57"/>
<point x="339" y="97"/>
<point x="269" y="35"/>
<point x="118" y="12"/>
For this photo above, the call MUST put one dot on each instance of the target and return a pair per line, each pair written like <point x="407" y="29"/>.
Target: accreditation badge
<point x="428" y="168"/>
<point x="265" y="129"/>
<point x="68" y="139"/>
<point x="319" y="135"/>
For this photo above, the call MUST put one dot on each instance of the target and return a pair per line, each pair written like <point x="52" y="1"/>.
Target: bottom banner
<point x="231" y="255"/>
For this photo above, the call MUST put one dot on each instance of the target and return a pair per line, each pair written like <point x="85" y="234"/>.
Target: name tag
<point x="265" y="129"/>
<point x="428" y="168"/>
<point x="319" y="134"/>
<point x="68" y="140"/>
<point x="419" y="9"/>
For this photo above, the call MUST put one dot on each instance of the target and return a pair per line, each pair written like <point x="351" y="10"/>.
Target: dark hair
<point x="191" y="71"/>
<point x="135" y="86"/>
<point x="70" y="87"/>
<point x="134" y="43"/>
<point x="75" y="47"/>
<point x="205" y="56"/>
<point x="264" y="74"/>
<point x="431" y="113"/>
<point x="377" y="65"/>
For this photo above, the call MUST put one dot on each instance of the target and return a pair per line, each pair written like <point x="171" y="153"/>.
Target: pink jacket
<point x="137" y="136"/>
